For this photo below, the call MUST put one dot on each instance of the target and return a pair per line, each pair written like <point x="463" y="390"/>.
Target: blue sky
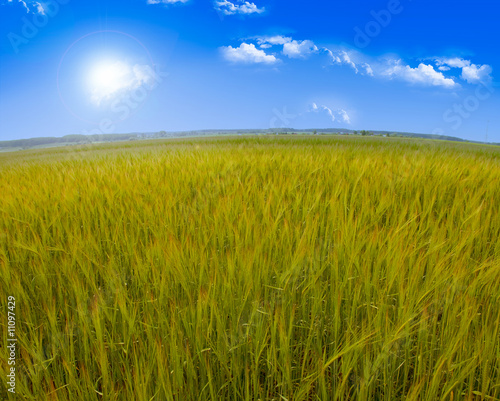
<point x="90" y="67"/>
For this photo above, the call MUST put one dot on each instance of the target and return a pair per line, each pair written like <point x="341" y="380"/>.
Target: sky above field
<point x="101" y="67"/>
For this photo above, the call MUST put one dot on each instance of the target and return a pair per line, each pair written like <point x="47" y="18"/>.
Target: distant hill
<point x="67" y="140"/>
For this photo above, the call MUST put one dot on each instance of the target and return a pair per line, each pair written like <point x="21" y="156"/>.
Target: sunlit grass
<point x="254" y="269"/>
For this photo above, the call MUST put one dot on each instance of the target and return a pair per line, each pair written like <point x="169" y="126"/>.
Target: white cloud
<point x="423" y="74"/>
<point x="166" y="1"/>
<point x="291" y="48"/>
<point x="241" y="7"/>
<point x="273" y="40"/>
<point x="333" y="115"/>
<point x="474" y="74"/>
<point x="299" y="49"/>
<point x="344" y="58"/>
<point x="453" y="62"/>
<point x="471" y="73"/>
<point x="392" y="68"/>
<point x="381" y="67"/>
<point x="111" y="80"/>
<point x="344" y="116"/>
<point x="40" y="9"/>
<point x="368" y="69"/>
<point x="33" y="7"/>
<point x="25" y="5"/>
<point x="248" y="54"/>
<point x="315" y="109"/>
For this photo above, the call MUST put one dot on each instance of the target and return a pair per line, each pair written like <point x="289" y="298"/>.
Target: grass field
<point x="253" y="269"/>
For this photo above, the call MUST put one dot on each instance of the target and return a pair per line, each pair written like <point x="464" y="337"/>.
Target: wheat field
<point x="253" y="268"/>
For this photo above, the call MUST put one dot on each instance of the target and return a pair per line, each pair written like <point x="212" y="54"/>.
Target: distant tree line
<point x="70" y="139"/>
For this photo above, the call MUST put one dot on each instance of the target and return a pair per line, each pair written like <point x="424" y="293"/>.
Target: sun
<point x="107" y="74"/>
<point x="107" y="78"/>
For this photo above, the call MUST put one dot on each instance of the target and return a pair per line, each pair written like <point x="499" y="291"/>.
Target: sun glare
<point x="107" y="78"/>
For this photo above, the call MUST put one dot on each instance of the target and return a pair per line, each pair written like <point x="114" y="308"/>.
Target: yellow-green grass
<point x="253" y="269"/>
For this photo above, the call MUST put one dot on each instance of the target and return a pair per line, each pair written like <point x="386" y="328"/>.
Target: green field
<point x="253" y="268"/>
